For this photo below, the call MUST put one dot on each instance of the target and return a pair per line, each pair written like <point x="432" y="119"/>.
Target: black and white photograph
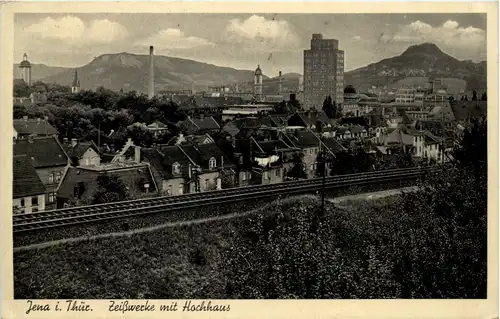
<point x="216" y="156"/>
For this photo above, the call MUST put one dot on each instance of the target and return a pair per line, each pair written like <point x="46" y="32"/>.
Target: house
<point x="309" y="143"/>
<point x="200" y="125"/>
<point x="343" y="133"/>
<point x="128" y="153"/>
<point x="170" y="168"/>
<point x="309" y="120"/>
<point x="48" y="158"/>
<point x="188" y="168"/>
<point x="278" y="120"/>
<point x="358" y="131"/>
<point x="82" y="153"/>
<point x="442" y="112"/>
<point x="395" y="140"/>
<point x="157" y="128"/>
<point x="430" y="146"/>
<point x="272" y="160"/>
<point x="27" y="188"/>
<point x="209" y="160"/>
<point x="33" y="127"/>
<point x="81" y="182"/>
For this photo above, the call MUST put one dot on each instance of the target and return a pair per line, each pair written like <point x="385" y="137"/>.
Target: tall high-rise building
<point x="323" y="72"/>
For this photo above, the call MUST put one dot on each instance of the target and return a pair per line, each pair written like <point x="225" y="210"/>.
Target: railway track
<point x="94" y="213"/>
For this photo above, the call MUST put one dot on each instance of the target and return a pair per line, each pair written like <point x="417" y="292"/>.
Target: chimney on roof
<point x="74" y="141"/>
<point x="137" y="154"/>
<point x="151" y="84"/>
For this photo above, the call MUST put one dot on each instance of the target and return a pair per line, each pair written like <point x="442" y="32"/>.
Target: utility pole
<point x="323" y="161"/>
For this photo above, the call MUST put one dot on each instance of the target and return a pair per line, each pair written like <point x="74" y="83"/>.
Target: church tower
<point x="257" y="84"/>
<point x="75" y="86"/>
<point x="25" y="70"/>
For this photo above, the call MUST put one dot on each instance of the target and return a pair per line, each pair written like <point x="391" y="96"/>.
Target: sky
<point x="242" y="41"/>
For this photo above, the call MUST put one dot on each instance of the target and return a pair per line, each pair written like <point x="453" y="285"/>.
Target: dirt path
<point x="161" y="226"/>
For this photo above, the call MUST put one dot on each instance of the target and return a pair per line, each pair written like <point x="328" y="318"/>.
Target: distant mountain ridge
<point x="130" y="72"/>
<point x="40" y="71"/>
<point x="421" y="60"/>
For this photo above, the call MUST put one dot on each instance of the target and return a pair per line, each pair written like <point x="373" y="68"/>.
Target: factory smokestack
<point x="279" y="88"/>
<point x="151" y="84"/>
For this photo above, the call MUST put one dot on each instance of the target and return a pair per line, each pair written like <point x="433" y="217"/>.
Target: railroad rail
<point x="93" y="213"/>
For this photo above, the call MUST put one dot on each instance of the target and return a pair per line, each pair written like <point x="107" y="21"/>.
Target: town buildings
<point x="24" y="128"/>
<point x="323" y="72"/>
<point x="49" y="160"/>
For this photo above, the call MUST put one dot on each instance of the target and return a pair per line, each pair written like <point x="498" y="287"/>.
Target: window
<point x="207" y="183"/>
<point x="22" y="202"/>
<point x="181" y="189"/>
<point x="244" y="176"/>
<point x="78" y="190"/>
<point x="176" y="168"/>
<point x="169" y="190"/>
<point x="34" y="201"/>
<point x="51" y="178"/>
<point x="212" y="163"/>
<point x="278" y="172"/>
<point x="51" y="198"/>
<point x="58" y="176"/>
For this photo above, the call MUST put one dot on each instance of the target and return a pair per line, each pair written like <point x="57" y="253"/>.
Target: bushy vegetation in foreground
<point x="427" y="244"/>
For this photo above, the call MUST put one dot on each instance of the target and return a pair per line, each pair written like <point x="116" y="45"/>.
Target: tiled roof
<point x="231" y="128"/>
<point x="131" y="176"/>
<point x="269" y="147"/>
<point x="279" y="120"/>
<point x="43" y="151"/>
<point x="333" y="145"/>
<point x="206" y="123"/>
<point x="201" y="154"/>
<point x="79" y="149"/>
<point x="34" y="126"/>
<point x="303" y="139"/>
<point x="25" y="179"/>
<point x="157" y="125"/>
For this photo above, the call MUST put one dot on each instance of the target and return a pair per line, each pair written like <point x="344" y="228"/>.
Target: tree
<point x="431" y="243"/>
<point x="474" y="95"/>
<point x="298" y="170"/>
<point x="110" y="188"/>
<point x="329" y="107"/>
<point x="21" y="89"/>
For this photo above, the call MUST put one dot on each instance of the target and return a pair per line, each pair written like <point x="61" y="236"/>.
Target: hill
<point x="130" y="72"/>
<point x="40" y="71"/>
<point x="423" y="60"/>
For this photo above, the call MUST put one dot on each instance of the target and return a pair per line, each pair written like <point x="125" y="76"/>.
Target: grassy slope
<point x="179" y="262"/>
